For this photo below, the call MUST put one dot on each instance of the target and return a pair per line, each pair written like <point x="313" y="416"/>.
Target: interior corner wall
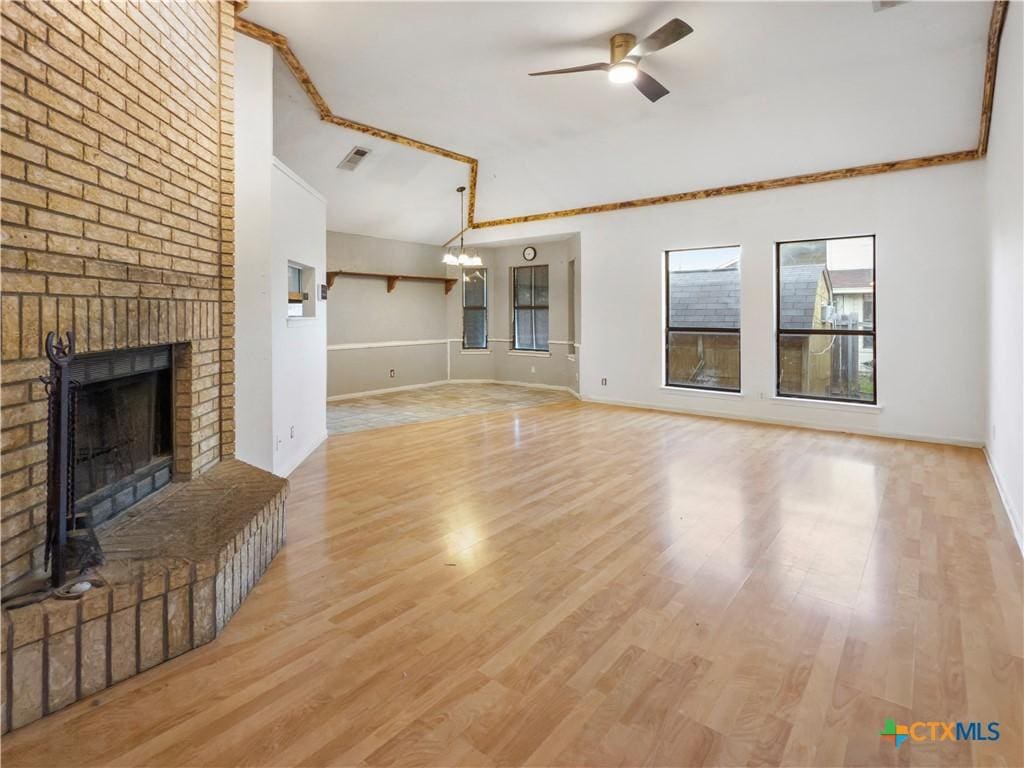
<point x="931" y="298"/>
<point x="500" y="362"/>
<point x="254" y="139"/>
<point x="280" y="381"/>
<point x="1005" y="203"/>
<point x="298" y="234"/>
<point x="371" y="332"/>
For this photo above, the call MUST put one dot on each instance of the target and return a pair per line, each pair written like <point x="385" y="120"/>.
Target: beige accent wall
<point x="117" y="220"/>
<point x="364" y="320"/>
<point x="501" y="362"/>
<point x="416" y="330"/>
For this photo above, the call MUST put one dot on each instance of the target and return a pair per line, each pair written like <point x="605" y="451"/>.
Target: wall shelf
<point x="392" y="279"/>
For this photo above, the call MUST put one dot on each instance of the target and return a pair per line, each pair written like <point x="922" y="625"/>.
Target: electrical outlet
<point x="291" y="432"/>
<point x="604" y="382"/>
<point x="391" y="373"/>
<point x="533" y="369"/>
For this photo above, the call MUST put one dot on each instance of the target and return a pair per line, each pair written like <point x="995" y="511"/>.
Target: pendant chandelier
<point x="457" y="257"/>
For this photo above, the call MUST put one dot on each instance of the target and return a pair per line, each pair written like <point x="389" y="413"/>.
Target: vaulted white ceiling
<point x="759" y="90"/>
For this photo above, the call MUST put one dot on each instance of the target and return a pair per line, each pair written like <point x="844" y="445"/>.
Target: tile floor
<point x="442" y="401"/>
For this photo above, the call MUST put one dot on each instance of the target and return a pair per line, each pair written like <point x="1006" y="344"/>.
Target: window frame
<point x="533" y="307"/>
<point x="571" y="327"/>
<point x="872" y="334"/>
<point x="307" y="291"/>
<point x="476" y="307"/>
<point x="668" y="330"/>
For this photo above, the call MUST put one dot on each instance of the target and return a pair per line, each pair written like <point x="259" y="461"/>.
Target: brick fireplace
<point x="118" y="225"/>
<point x="117" y="220"/>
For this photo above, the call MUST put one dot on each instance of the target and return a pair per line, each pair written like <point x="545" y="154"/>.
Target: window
<point x="702" y="319"/>
<point x="301" y="290"/>
<point x="530" y="308"/>
<point x="474" y="308"/>
<point x="825" y="319"/>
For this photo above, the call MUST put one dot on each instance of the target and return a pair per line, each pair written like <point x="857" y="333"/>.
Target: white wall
<point x="280" y="376"/>
<point x="254" y="100"/>
<point x="1003" y="178"/>
<point x="299" y="234"/>
<point x="932" y="366"/>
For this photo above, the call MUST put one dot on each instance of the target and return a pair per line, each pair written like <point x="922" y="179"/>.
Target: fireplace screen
<point x="123" y="429"/>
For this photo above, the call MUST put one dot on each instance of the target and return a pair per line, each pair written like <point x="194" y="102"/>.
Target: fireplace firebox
<point x="123" y="429"/>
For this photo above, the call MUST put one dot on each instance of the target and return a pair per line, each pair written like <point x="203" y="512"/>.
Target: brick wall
<point x="117" y="163"/>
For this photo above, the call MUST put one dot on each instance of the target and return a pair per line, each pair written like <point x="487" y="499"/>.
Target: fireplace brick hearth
<point x="178" y="566"/>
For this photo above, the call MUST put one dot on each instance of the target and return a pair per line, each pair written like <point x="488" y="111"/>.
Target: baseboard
<point x="963" y="442"/>
<point x="528" y="384"/>
<point x="1007" y="506"/>
<point x="368" y="392"/>
<point x="302" y="456"/>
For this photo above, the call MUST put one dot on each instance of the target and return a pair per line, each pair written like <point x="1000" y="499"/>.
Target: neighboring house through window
<point x="530" y="308"/>
<point x="474" y="308"/>
<point x="702" y="318"/>
<point x="825" y="326"/>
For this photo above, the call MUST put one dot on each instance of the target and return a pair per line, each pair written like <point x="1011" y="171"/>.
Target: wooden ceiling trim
<point x="995" y="35"/>
<point x="471" y="206"/>
<point x="740" y="189"/>
<point x="996" y="24"/>
<point x="280" y="43"/>
<point x="380" y="133"/>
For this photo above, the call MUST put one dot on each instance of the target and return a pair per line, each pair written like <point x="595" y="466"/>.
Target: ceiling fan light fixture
<point x="623" y="72"/>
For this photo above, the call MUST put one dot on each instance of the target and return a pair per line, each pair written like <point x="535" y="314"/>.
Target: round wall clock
<point x="529" y="253"/>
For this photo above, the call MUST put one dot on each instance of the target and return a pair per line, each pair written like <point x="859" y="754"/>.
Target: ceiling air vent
<point x="882" y="5"/>
<point x="354" y="158"/>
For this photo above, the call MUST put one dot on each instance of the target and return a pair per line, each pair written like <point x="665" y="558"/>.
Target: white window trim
<point x="528" y="353"/>
<point x="831" y="405"/>
<point x="712" y="393"/>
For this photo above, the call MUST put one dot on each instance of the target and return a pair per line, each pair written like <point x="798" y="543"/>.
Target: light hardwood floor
<point x="440" y="401"/>
<point x="577" y="584"/>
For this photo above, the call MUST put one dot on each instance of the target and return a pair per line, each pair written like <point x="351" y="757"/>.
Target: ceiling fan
<point x="626" y="54"/>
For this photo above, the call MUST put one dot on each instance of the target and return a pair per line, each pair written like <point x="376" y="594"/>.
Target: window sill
<point x="528" y="353"/>
<point x="808" y="402"/>
<point x="703" y="392"/>
<point x="474" y="351"/>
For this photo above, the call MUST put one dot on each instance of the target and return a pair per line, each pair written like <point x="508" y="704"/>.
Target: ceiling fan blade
<point x="664" y="36"/>
<point x="585" y="68"/>
<point x="649" y="87"/>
